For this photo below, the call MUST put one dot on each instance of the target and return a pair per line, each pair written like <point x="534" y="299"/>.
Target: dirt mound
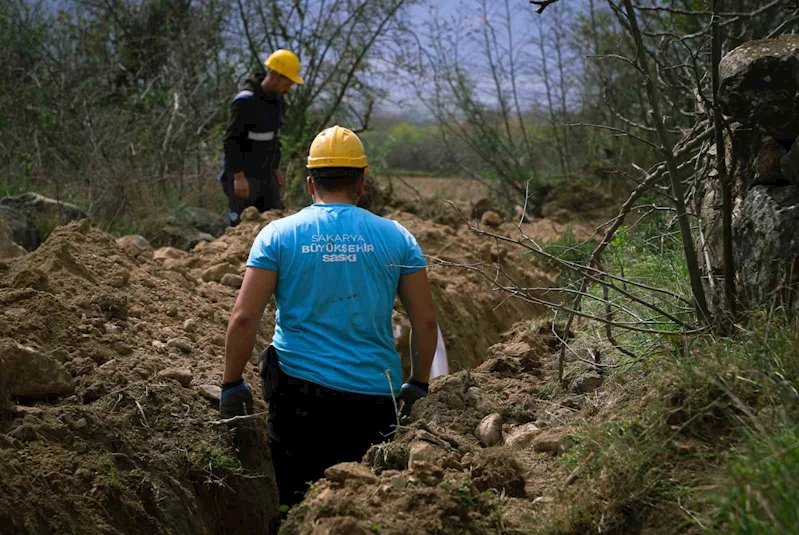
<point x="437" y="476"/>
<point x="132" y="449"/>
<point x="110" y="363"/>
<point x="471" y="315"/>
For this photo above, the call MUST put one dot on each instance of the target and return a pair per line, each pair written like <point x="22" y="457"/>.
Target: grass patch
<point x="217" y="460"/>
<point x="705" y="440"/>
<point x="764" y="495"/>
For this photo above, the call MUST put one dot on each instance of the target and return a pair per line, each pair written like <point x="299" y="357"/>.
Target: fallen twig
<point x="576" y="472"/>
<point x="225" y="421"/>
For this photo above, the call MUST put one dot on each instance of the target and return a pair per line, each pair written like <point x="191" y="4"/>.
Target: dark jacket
<point x="252" y="139"/>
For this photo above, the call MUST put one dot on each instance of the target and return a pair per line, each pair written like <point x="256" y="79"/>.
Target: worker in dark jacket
<point x="251" y="173"/>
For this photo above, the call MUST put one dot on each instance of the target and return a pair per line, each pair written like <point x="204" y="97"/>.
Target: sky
<point x="468" y="13"/>
<point x="527" y="57"/>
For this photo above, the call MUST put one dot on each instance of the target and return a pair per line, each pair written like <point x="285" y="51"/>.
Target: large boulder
<point x="759" y="85"/>
<point x="8" y="249"/>
<point x="22" y="227"/>
<point x="184" y="238"/>
<point x="199" y="218"/>
<point x="189" y="227"/>
<point x="766" y="240"/>
<point x="30" y="213"/>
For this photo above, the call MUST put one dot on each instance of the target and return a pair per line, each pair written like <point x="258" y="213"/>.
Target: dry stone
<point x="553" y="442"/>
<point x="33" y="375"/>
<point x="210" y="392"/>
<point x="490" y="430"/>
<point x="766" y="241"/>
<point x="217" y="271"/>
<point x="251" y="213"/>
<point x="232" y="280"/>
<point x="181" y="375"/>
<point x="522" y="436"/>
<point x="135" y="245"/>
<point x="169" y="253"/>
<point x="181" y="344"/>
<point x="350" y="471"/>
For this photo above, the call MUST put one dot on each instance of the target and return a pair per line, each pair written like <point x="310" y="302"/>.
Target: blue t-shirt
<point x="338" y="269"/>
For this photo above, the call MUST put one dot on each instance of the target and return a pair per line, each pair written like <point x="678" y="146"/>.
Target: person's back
<point x="338" y="268"/>
<point x="334" y="270"/>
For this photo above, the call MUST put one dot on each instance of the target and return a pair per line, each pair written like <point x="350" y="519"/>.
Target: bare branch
<point x="542" y="4"/>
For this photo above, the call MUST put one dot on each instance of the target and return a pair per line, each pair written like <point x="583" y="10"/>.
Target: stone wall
<point x="759" y="95"/>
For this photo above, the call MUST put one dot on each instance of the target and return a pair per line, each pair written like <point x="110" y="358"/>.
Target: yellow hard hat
<point x="336" y="147"/>
<point x="286" y="63"/>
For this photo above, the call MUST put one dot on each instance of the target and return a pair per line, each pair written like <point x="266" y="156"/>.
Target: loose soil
<point x="135" y="449"/>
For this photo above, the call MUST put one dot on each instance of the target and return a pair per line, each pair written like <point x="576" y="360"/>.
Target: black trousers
<point x="264" y="195"/>
<point x="312" y="427"/>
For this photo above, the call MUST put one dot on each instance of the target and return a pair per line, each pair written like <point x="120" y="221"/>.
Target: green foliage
<point x="705" y="436"/>
<point x="764" y="495"/>
<point x="217" y="460"/>
<point x="569" y="249"/>
<point x="408" y="149"/>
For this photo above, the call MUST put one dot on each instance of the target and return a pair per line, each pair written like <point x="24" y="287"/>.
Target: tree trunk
<point x="653" y="95"/>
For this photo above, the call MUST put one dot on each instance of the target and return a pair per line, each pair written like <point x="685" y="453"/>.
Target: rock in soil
<point x="181" y="375"/>
<point x="216" y="272"/>
<point x="350" y="471"/>
<point x="490" y="430"/>
<point x="181" y="344"/>
<point x="232" y="280"/>
<point x="210" y="392"/>
<point x="522" y="436"/>
<point x="135" y="245"/>
<point x="553" y="442"/>
<point x="33" y="375"/>
<point x="423" y="452"/>
<point x="499" y="469"/>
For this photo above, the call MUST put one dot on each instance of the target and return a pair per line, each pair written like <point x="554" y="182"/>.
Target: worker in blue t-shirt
<point x="334" y="270"/>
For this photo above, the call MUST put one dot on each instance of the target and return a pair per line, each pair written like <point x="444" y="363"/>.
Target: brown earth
<point x="439" y="476"/>
<point x="131" y="451"/>
<point x="124" y="443"/>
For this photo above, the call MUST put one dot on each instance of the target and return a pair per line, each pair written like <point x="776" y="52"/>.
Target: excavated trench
<point x="110" y="355"/>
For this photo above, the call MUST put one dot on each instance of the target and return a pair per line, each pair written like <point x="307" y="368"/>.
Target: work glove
<point x="410" y="393"/>
<point x="236" y="399"/>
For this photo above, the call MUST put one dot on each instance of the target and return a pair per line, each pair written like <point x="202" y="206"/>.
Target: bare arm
<point x="414" y="293"/>
<point x="257" y="288"/>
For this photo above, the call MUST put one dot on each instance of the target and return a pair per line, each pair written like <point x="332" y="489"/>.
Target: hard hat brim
<point x="296" y="78"/>
<point x="336" y="161"/>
